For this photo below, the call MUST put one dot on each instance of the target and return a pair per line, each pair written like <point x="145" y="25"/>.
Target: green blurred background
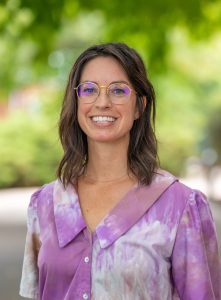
<point x="180" y="42"/>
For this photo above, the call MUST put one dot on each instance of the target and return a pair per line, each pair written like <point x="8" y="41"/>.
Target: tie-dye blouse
<point x="157" y="243"/>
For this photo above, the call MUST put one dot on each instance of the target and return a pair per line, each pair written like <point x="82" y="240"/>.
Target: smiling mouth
<point x="103" y="119"/>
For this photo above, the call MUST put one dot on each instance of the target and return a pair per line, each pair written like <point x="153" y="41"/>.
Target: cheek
<point x="132" y="111"/>
<point x="82" y="112"/>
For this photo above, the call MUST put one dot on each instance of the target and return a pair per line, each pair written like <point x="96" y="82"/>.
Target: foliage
<point x="213" y="132"/>
<point x="35" y="30"/>
<point x="30" y="150"/>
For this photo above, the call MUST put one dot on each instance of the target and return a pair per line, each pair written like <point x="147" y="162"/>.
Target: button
<point x="86" y="259"/>
<point x="85" y="296"/>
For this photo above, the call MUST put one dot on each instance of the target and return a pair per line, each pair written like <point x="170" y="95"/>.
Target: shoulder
<point x="175" y="187"/>
<point x="178" y="195"/>
<point x="194" y="204"/>
<point x="43" y="193"/>
<point x="179" y="190"/>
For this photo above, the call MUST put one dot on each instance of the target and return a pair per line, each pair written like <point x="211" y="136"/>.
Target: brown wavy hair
<point x="142" y="150"/>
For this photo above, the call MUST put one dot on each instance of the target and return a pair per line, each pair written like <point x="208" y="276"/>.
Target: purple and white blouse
<point x="158" y="243"/>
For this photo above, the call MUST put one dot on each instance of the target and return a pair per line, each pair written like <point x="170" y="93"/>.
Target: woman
<point x="114" y="226"/>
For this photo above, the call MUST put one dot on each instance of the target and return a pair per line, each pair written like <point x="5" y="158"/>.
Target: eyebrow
<point x="117" y="81"/>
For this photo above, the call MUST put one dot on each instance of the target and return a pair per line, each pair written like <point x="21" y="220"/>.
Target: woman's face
<point x="103" y="120"/>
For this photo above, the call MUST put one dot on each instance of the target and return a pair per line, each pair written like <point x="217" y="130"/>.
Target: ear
<point x="144" y="103"/>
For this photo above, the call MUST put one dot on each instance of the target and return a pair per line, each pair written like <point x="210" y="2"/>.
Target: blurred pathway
<point x="13" y="205"/>
<point x="13" y="208"/>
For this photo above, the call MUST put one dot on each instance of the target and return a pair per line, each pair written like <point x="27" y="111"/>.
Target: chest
<point x="129" y="266"/>
<point x="97" y="201"/>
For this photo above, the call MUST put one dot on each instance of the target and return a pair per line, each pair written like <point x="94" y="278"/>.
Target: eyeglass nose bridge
<point x="106" y="87"/>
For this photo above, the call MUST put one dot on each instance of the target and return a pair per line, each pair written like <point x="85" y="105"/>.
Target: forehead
<point x="103" y="70"/>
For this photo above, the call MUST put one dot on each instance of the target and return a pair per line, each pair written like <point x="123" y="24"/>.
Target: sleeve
<point x="196" y="268"/>
<point x="29" y="279"/>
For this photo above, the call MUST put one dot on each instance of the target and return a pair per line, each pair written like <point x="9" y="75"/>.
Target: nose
<point x="103" y="100"/>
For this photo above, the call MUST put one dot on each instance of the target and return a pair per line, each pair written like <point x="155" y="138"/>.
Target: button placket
<point x="87" y="265"/>
<point x="86" y="259"/>
<point x="85" y="296"/>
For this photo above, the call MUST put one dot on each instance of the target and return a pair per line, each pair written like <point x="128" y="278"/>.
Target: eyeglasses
<point x="118" y="92"/>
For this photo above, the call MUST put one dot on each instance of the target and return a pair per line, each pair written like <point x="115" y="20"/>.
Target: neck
<point x="106" y="162"/>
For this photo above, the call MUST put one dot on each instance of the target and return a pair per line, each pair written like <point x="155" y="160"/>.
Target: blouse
<point x="158" y="243"/>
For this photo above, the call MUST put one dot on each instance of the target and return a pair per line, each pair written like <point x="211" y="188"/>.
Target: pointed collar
<point x="131" y="208"/>
<point x="70" y="222"/>
<point x="67" y="212"/>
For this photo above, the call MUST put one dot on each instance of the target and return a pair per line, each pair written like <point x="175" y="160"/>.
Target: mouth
<point x="103" y="119"/>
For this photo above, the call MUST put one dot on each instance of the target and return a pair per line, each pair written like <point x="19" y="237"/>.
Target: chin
<point x="103" y="139"/>
<point x="108" y="139"/>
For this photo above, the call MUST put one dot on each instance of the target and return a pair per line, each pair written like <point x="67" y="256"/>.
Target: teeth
<point x="103" y="119"/>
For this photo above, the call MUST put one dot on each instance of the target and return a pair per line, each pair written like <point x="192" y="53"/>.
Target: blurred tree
<point x="143" y="24"/>
<point x="30" y="149"/>
<point x="213" y="132"/>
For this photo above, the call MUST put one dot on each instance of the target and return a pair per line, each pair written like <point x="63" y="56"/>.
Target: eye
<point x="87" y="89"/>
<point x="119" y="90"/>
